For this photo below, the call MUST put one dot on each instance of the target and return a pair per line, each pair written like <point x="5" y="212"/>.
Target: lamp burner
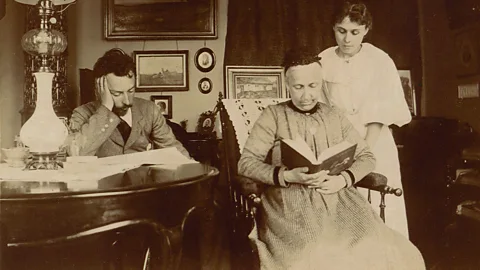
<point x="44" y="161"/>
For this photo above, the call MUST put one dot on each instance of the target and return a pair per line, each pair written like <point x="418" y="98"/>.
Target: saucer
<point x="15" y="163"/>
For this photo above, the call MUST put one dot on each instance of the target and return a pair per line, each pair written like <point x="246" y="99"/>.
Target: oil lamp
<point x="44" y="132"/>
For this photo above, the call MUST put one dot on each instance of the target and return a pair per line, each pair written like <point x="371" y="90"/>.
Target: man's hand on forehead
<point x="104" y="93"/>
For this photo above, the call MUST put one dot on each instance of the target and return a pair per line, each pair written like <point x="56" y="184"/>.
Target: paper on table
<point x="93" y="174"/>
<point x="166" y="156"/>
<point x="9" y="173"/>
<point x="99" y="168"/>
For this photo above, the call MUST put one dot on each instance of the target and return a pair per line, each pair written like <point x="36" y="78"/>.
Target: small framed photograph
<point x="206" y="123"/>
<point x="408" y="89"/>
<point x="205" y="85"/>
<point x="161" y="70"/>
<point x="165" y="104"/>
<point x="205" y="59"/>
<point x="255" y="82"/>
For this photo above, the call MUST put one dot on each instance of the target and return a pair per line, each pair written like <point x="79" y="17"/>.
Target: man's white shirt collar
<point x="128" y="117"/>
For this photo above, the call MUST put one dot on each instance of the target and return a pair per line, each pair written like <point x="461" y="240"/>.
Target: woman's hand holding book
<point x="320" y="181"/>
<point x="331" y="184"/>
<point x="301" y="176"/>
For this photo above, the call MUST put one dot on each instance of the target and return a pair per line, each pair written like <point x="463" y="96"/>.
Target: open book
<point x="296" y="153"/>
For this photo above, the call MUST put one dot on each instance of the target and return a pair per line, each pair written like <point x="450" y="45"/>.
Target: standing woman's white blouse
<point x="367" y="88"/>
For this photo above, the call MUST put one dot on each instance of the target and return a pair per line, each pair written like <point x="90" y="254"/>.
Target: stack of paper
<point x="165" y="156"/>
<point x="98" y="168"/>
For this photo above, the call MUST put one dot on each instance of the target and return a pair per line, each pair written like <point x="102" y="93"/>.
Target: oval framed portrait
<point x="205" y="85"/>
<point x="205" y="59"/>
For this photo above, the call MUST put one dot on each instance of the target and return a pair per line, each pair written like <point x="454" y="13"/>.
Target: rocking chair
<point x="237" y="117"/>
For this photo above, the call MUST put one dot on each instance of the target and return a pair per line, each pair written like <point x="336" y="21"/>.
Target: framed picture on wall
<point x="205" y="85"/>
<point x="255" y="82"/>
<point x="160" y="19"/>
<point x="165" y="104"/>
<point x="466" y="50"/>
<point x="161" y="70"/>
<point x="408" y="89"/>
<point x="205" y="59"/>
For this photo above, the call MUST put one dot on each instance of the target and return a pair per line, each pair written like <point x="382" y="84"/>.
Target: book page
<point x="302" y="147"/>
<point x="331" y="151"/>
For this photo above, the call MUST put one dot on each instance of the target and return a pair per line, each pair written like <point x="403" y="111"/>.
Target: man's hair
<point x="114" y="61"/>
<point x="300" y="56"/>
<point x="355" y="10"/>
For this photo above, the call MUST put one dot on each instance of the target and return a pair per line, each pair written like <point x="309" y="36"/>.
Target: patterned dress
<point x="367" y="88"/>
<point x="300" y="228"/>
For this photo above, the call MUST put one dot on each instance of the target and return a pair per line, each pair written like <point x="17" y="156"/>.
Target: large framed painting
<point x="408" y="89"/>
<point x="161" y="70"/>
<point x="160" y="19"/>
<point x="255" y="82"/>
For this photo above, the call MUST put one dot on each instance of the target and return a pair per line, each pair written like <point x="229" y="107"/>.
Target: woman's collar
<point x="311" y="111"/>
<point x="360" y="52"/>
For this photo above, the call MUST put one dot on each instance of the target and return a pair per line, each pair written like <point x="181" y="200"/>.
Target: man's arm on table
<point x="92" y="130"/>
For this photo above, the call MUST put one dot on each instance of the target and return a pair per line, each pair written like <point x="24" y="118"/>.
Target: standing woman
<point x="362" y="81"/>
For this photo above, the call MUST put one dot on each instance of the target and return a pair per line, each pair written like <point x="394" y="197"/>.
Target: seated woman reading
<point x="316" y="221"/>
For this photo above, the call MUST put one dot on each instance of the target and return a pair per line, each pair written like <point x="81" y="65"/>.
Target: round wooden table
<point x="153" y="211"/>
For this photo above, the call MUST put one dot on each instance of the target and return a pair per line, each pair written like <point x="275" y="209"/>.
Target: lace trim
<point x="244" y="113"/>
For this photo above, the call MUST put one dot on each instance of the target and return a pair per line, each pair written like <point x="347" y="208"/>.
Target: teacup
<point x="16" y="157"/>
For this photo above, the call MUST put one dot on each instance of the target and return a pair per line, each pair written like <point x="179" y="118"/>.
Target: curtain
<point x="2" y="8"/>
<point x="259" y="32"/>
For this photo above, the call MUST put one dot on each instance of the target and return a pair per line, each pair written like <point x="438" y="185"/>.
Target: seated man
<point x="315" y="221"/>
<point x="118" y="123"/>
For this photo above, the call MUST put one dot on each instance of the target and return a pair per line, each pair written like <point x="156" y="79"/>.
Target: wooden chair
<point x="237" y="117"/>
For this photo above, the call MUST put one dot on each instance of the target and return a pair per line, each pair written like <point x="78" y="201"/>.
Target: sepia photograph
<point x="96" y="172"/>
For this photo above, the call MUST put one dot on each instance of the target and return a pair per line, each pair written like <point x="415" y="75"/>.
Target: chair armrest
<point x="472" y="153"/>
<point x="250" y="189"/>
<point x="248" y="186"/>
<point x="468" y="177"/>
<point x="254" y="199"/>
<point x="378" y="182"/>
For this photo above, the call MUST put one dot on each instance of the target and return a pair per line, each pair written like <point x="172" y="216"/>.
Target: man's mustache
<point x="122" y="109"/>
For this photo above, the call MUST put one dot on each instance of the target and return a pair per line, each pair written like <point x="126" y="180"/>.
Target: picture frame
<point x="205" y="85"/>
<point x="205" y="59"/>
<point x="161" y="70"/>
<point x="165" y="103"/>
<point x="160" y="19"/>
<point x="255" y="82"/>
<point x="206" y="123"/>
<point x="466" y="52"/>
<point x="408" y="89"/>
